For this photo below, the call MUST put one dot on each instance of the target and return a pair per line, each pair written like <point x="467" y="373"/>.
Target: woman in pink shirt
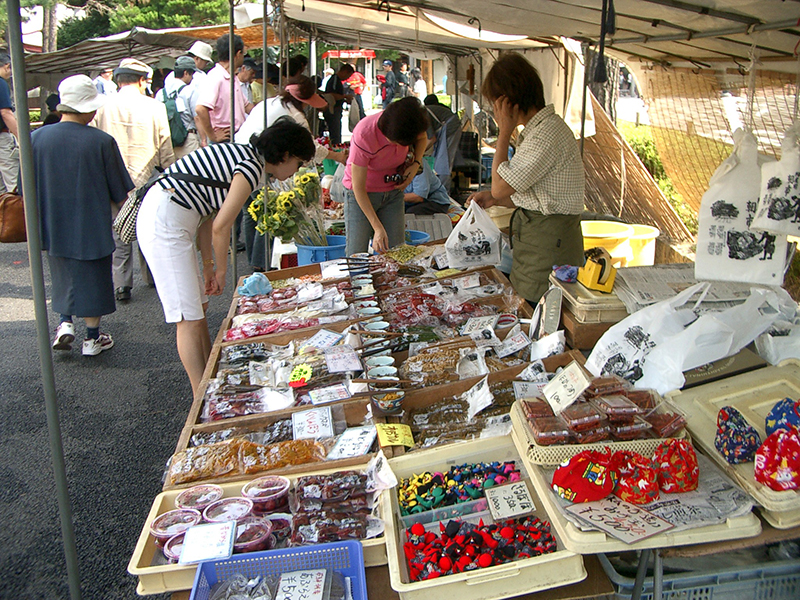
<point x="385" y="154"/>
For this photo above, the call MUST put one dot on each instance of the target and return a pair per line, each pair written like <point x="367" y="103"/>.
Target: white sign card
<point x="323" y="339"/>
<point x="355" y="441"/>
<point x="479" y="323"/>
<point x="211" y="541"/>
<point x="478" y="397"/>
<point x="331" y="393"/>
<point x="342" y="359"/>
<point x="528" y="389"/>
<point x="566" y="386"/>
<point x="509" y="501"/>
<point x="313" y="424"/>
<point x="622" y="520"/>
<point x="302" y="585"/>
<point x="513" y="343"/>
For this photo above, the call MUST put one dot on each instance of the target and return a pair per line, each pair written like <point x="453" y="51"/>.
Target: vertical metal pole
<point x="641" y="571"/>
<point x="658" y="574"/>
<point x="267" y="244"/>
<point x="585" y="88"/>
<point x="234" y="82"/>
<point x="480" y="131"/>
<point x="455" y="82"/>
<point x="312" y="60"/>
<point x="39" y="300"/>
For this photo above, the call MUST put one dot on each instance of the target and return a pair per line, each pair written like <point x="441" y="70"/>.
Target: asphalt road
<point x="121" y="413"/>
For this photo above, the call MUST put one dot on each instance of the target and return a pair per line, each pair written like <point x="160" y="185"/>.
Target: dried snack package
<point x="677" y="467"/>
<point x="637" y="429"/>
<point x="616" y="406"/>
<point x="606" y="385"/>
<point x="638" y="479"/>
<point x="582" y="416"/>
<point x="665" y="424"/>
<point x="331" y="488"/>
<point x="778" y="461"/>
<point x="784" y="415"/>
<point x="550" y="430"/>
<point x="586" y="477"/>
<point x="736" y="439"/>
<point x="592" y="436"/>
<point x="204" y="462"/>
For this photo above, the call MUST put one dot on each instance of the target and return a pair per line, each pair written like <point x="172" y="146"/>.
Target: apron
<point x="541" y="242"/>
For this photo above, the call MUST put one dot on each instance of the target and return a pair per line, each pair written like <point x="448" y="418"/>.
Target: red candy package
<point x="638" y="480"/>
<point x="586" y="477"/>
<point x="677" y="466"/>
<point x="778" y="461"/>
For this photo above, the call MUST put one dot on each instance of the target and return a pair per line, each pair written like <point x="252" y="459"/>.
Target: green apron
<point x="541" y="242"/>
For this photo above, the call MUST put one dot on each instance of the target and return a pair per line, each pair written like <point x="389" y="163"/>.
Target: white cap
<point x="78" y="93"/>
<point x="329" y="71"/>
<point x="201" y="50"/>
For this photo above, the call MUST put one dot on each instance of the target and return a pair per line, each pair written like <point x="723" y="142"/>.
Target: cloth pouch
<point x="586" y="477"/>
<point x="638" y="479"/>
<point x="677" y="467"/>
<point x="784" y="415"/>
<point x="778" y="461"/>
<point x="736" y="439"/>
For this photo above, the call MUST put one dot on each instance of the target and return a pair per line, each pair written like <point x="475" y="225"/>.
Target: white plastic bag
<point x="337" y="188"/>
<point x="727" y="248"/>
<point x="779" y="200"/>
<point x="652" y="347"/>
<point x="779" y="342"/>
<point x="475" y="240"/>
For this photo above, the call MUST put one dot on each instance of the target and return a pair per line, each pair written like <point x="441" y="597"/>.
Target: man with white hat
<point x="78" y="191"/>
<point x="201" y="53"/>
<point x="180" y="86"/>
<point x="139" y="125"/>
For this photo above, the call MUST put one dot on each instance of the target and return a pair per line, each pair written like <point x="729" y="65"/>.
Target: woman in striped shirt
<point x="199" y="197"/>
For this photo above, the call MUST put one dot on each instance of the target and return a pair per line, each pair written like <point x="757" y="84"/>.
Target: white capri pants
<point x="166" y="233"/>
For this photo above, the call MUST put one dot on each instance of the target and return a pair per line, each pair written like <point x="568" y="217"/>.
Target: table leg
<point x="658" y="575"/>
<point x="641" y="571"/>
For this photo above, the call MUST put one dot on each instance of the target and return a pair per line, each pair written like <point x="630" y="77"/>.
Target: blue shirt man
<point x="426" y="194"/>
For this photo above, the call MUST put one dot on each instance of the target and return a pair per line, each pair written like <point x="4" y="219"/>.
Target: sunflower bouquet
<point x="294" y="213"/>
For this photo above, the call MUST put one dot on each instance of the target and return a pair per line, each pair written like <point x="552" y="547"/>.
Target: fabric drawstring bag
<point x="778" y="461"/>
<point x="736" y="439"/>
<point x="784" y="415"/>
<point x="638" y="479"/>
<point x="677" y="466"/>
<point x="586" y="477"/>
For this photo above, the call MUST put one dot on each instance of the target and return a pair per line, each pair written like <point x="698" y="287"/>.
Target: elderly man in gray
<point x="181" y="86"/>
<point x="140" y="127"/>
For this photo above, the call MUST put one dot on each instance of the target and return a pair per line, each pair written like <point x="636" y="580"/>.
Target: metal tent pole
<point x="267" y="240"/>
<point x="39" y="300"/>
<point x="234" y="237"/>
<point x="585" y="87"/>
<point x="480" y="129"/>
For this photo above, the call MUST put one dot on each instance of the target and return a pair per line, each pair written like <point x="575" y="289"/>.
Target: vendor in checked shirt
<point x="544" y="181"/>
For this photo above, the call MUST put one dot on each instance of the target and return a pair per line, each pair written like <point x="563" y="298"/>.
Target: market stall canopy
<point x="695" y="32"/>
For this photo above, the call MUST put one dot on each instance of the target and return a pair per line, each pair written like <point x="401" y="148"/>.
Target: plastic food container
<point x="268" y="494"/>
<point x="592" y="436"/>
<point x="281" y="526"/>
<point x="228" y="509"/>
<point x="252" y="534"/>
<point x="550" y="430"/>
<point x="665" y="424"/>
<point x="617" y="407"/>
<point x="644" y="399"/>
<point x="173" y="547"/>
<point x="637" y="430"/>
<point x="581" y="416"/>
<point x="537" y="408"/>
<point x="601" y="386"/>
<point x="172" y="523"/>
<point x="199" y="496"/>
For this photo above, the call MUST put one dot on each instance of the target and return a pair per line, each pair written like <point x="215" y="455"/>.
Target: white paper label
<point x="355" y="441"/>
<point x="211" y="541"/>
<point x="341" y="359"/>
<point x="509" y="501"/>
<point x="619" y="519"/>
<point x="528" y="389"/>
<point x="324" y="338"/>
<point x="331" y="393"/>
<point x="478" y="324"/>
<point x="478" y="397"/>
<point x="468" y="281"/>
<point x="314" y="424"/>
<point x="566" y="386"/>
<point x="302" y="585"/>
<point x="513" y="343"/>
<point x="440" y="258"/>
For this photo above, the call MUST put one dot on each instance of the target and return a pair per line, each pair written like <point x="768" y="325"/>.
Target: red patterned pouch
<point x="677" y="466"/>
<point x="638" y="479"/>
<point x="778" y="461"/>
<point x="585" y="477"/>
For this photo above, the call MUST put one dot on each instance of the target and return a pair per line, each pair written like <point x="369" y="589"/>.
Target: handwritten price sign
<point x="302" y="585"/>
<point x="566" y="386"/>
<point x="509" y="501"/>
<point x="313" y="424"/>
<point x="622" y="520"/>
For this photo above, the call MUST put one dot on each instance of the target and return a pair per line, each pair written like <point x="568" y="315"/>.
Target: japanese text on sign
<point x="323" y="339"/>
<point x="566" y="386"/>
<point x="313" y="424"/>
<point x="211" y="541"/>
<point x="302" y="585"/>
<point x="509" y="501"/>
<point x="622" y="520"/>
<point x="341" y="359"/>
<point x="332" y="393"/>
<point x="394" y="435"/>
<point x="355" y="441"/>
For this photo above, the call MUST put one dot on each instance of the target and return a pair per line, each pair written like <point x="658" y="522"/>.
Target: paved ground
<point x="121" y="414"/>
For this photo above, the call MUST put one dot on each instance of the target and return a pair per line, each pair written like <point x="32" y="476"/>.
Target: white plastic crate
<point x="591" y="306"/>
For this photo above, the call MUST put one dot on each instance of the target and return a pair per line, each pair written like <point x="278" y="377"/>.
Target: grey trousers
<point x="122" y="264"/>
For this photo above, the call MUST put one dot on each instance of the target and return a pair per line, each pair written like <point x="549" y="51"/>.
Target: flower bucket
<point x="307" y="255"/>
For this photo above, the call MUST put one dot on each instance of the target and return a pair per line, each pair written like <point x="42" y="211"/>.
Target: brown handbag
<point x="12" y="218"/>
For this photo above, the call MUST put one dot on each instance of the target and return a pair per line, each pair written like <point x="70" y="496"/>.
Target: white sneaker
<point x="94" y="347"/>
<point x="65" y="335"/>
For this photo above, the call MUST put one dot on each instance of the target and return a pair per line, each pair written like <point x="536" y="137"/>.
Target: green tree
<point x="4" y="18"/>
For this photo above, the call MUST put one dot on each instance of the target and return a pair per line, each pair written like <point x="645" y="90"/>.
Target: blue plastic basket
<point x="767" y="581"/>
<point x="345" y="557"/>
<point x="415" y="237"/>
<point x="315" y="254"/>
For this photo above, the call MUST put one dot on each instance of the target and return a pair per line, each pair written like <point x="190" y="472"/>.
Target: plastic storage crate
<point x="773" y="581"/>
<point x="344" y="557"/>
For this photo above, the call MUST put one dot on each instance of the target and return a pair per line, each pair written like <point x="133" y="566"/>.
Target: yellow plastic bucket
<point x="613" y="236"/>
<point x="643" y="245"/>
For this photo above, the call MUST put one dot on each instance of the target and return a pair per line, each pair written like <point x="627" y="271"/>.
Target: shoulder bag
<point x="12" y="218"/>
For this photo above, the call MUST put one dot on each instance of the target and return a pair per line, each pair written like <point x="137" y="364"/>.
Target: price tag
<point x="334" y="269"/>
<point x="622" y="520"/>
<point x="390" y="434"/>
<point x="314" y="424"/>
<point x="440" y="259"/>
<point x="565" y="387"/>
<point x="478" y="397"/>
<point x="468" y="281"/>
<point x="341" y="359"/>
<point x="300" y="376"/>
<point x="355" y="441"/>
<point x="323" y="339"/>
<point x="212" y="541"/>
<point x="302" y="585"/>
<point x="528" y="389"/>
<point x="478" y="323"/>
<point x="331" y="393"/>
<point x="513" y="343"/>
<point x="509" y="501"/>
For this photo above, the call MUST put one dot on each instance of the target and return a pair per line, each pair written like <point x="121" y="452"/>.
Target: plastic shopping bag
<point x="337" y="188"/>
<point x="475" y="240"/>
<point x="727" y="248"/>
<point x="779" y="201"/>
